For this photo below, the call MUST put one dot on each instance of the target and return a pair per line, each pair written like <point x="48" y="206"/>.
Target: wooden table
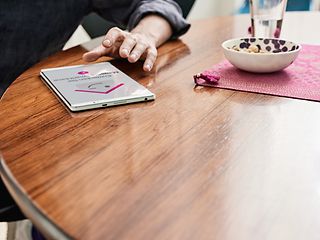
<point x="197" y="163"/>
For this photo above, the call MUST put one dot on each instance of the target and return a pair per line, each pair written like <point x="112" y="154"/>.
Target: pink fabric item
<point x="209" y="77"/>
<point x="300" y="80"/>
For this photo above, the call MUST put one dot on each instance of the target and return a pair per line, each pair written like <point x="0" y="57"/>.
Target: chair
<point x="96" y="26"/>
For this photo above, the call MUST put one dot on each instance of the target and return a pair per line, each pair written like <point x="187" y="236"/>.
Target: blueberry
<point x="277" y="46"/>
<point x="293" y="48"/>
<point x="243" y="45"/>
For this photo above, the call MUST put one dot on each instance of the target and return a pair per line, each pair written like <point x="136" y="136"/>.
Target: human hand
<point x="130" y="45"/>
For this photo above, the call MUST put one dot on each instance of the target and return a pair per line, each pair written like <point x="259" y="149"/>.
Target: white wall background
<point x="208" y="8"/>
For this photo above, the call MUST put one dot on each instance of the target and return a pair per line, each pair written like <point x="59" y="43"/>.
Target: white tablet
<point x="91" y="86"/>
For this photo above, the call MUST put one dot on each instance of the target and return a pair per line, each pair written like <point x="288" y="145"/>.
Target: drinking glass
<point x="267" y="17"/>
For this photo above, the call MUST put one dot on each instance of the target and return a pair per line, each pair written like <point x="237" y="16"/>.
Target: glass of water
<point x="267" y="17"/>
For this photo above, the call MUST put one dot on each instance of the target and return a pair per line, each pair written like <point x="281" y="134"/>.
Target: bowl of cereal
<point x="260" y="55"/>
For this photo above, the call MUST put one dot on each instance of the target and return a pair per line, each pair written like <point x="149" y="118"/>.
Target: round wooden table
<point x="197" y="163"/>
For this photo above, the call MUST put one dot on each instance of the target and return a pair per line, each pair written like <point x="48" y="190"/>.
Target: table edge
<point x="44" y="224"/>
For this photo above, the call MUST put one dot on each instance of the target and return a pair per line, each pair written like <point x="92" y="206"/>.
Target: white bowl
<point x="276" y="54"/>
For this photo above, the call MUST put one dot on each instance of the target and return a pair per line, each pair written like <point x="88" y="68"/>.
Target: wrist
<point x="155" y="28"/>
<point x="152" y="39"/>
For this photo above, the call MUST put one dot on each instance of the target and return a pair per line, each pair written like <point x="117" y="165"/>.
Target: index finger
<point x="113" y="35"/>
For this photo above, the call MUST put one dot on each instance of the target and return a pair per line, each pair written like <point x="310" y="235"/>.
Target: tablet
<point x="96" y="85"/>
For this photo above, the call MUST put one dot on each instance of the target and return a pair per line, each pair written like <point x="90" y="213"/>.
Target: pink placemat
<point x="300" y="80"/>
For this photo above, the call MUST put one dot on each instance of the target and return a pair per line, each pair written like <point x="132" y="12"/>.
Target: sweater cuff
<point x="168" y="9"/>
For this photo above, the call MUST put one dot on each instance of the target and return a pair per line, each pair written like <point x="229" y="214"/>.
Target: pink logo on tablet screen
<point x="83" y="72"/>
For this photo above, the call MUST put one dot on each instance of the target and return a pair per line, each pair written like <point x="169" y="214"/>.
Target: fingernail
<point x="107" y="43"/>
<point x="125" y="52"/>
<point x="148" y="67"/>
<point x="133" y="56"/>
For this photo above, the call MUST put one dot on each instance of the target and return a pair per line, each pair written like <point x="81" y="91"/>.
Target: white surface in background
<point x="305" y="27"/>
<point x="207" y="8"/>
<point x="315" y="6"/>
<point x="3" y="231"/>
<point x="78" y="37"/>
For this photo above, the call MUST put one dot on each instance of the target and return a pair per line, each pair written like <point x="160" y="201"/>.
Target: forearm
<point x="156" y="27"/>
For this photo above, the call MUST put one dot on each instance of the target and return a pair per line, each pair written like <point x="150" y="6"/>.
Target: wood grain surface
<point x="197" y="163"/>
